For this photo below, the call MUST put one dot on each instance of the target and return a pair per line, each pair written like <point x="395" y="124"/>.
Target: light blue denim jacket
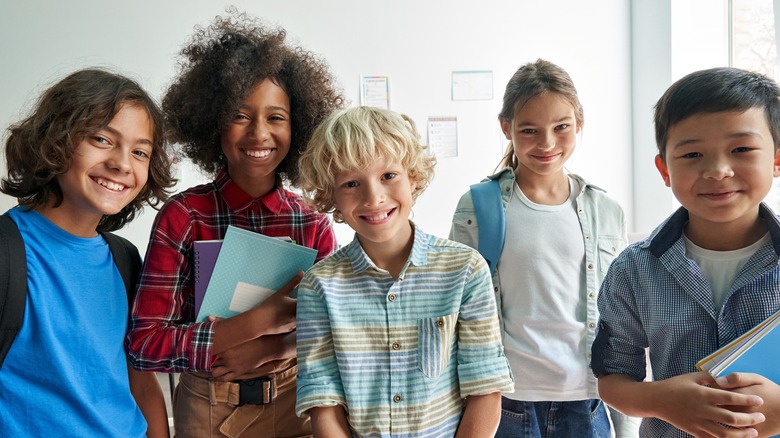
<point x="603" y="230"/>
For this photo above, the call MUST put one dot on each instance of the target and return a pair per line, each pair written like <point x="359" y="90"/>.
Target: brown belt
<point x="258" y="391"/>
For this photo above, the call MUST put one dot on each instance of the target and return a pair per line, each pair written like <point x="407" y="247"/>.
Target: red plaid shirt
<point x="163" y="335"/>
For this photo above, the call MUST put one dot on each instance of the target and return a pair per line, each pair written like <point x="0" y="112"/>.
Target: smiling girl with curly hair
<point x="243" y="108"/>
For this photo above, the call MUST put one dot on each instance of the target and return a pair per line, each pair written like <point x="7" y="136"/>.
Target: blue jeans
<point x="576" y="419"/>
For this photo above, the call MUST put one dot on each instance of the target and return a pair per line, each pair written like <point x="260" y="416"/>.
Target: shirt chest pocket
<point x="608" y="248"/>
<point x="435" y="337"/>
<point x="464" y="227"/>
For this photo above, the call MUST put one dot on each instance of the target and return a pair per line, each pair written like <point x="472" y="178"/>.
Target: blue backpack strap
<point x="491" y="220"/>
<point x="13" y="283"/>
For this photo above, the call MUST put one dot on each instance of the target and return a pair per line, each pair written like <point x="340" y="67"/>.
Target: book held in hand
<point x="757" y="351"/>
<point x="249" y="267"/>
<point x="205" y="255"/>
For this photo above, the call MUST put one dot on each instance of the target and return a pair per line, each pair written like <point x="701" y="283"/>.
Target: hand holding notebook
<point x="754" y="352"/>
<point x="249" y="268"/>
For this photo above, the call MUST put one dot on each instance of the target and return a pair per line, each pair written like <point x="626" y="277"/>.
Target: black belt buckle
<point x="259" y="391"/>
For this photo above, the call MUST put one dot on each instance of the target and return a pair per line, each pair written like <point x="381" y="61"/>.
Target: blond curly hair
<point x="352" y="139"/>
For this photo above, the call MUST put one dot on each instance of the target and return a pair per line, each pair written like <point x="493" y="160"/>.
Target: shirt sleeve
<point x="620" y="343"/>
<point x="464" y="223"/>
<point x="319" y="382"/>
<point x="162" y="336"/>
<point x="325" y="238"/>
<point x="482" y="366"/>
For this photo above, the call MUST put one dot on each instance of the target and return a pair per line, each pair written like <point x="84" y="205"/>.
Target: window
<point x="753" y="46"/>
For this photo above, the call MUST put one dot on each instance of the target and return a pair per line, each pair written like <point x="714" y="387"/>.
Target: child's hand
<point x="274" y="316"/>
<point x="280" y="307"/>
<point x="754" y="384"/>
<point x="235" y="363"/>
<point x="690" y="404"/>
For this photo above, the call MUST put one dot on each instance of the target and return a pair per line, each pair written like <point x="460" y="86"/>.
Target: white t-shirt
<point x="543" y="279"/>
<point x="720" y="268"/>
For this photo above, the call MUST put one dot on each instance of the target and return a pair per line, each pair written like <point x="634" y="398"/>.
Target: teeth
<point x="258" y="154"/>
<point x="378" y="217"/>
<point x="110" y="184"/>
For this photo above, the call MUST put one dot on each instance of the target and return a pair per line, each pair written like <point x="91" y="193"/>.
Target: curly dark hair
<point x="41" y="146"/>
<point x="222" y="64"/>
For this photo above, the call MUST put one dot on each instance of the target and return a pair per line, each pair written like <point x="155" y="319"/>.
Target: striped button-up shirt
<point x="654" y="296"/>
<point x="399" y="354"/>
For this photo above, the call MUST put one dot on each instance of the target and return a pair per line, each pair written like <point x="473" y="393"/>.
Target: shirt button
<point x="590" y="265"/>
<point x="587" y="237"/>
<point x="591" y="295"/>
<point x="397" y="398"/>
<point x="391" y="297"/>
<point x="440" y="323"/>
<point x="495" y="289"/>
<point x="591" y="325"/>
<point x="468" y="221"/>
<point x="396" y="346"/>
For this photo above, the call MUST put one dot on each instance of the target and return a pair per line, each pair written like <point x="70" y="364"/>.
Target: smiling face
<point x="543" y="133"/>
<point x="720" y="166"/>
<point x="108" y="170"/>
<point x="376" y="202"/>
<point x="258" y="138"/>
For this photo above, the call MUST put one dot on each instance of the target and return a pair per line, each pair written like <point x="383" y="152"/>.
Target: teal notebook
<point x="757" y="351"/>
<point x="249" y="268"/>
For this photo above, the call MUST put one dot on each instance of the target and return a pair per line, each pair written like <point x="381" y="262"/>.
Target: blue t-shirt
<point x="66" y="372"/>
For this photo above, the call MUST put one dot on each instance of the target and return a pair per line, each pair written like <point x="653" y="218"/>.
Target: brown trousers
<point x="204" y="408"/>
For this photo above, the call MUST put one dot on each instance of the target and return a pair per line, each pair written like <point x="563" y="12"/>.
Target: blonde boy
<point x="706" y="275"/>
<point x="398" y="327"/>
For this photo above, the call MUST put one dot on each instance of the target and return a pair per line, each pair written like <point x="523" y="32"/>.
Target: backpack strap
<point x="491" y="220"/>
<point x="127" y="260"/>
<point x="13" y="283"/>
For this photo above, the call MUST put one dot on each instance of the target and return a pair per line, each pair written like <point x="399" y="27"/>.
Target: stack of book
<point x="757" y="351"/>
<point x="241" y="271"/>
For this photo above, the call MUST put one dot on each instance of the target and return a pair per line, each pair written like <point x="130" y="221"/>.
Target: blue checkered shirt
<point x="654" y="296"/>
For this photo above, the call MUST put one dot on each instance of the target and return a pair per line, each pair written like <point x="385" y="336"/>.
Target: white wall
<point x="670" y="38"/>
<point x="651" y="65"/>
<point x="416" y="43"/>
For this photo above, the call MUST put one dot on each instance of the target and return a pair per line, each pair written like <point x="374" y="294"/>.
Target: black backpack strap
<point x="127" y="260"/>
<point x="13" y="283"/>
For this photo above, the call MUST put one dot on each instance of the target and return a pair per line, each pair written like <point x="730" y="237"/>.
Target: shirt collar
<point x="672" y="229"/>
<point x="508" y="174"/>
<point x="418" y="257"/>
<point x="237" y="199"/>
